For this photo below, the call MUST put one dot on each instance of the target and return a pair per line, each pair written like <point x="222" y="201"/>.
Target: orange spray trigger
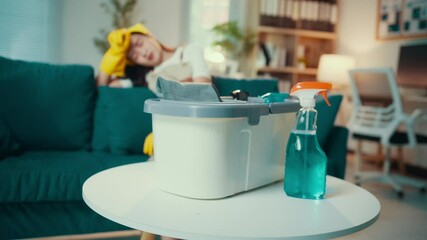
<point x="306" y="92"/>
<point x="325" y="96"/>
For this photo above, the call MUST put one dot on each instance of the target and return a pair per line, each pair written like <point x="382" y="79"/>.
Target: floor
<point x="399" y="218"/>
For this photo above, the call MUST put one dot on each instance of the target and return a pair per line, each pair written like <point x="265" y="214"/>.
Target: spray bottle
<point x="305" y="167"/>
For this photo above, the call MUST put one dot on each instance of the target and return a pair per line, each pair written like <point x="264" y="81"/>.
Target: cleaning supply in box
<point x="305" y="165"/>
<point x="209" y="150"/>
<point x="274" y="97"/>
<point x="198" y="92"/>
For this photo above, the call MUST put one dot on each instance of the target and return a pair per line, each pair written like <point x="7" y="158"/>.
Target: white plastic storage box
<point x="214" y="150"/>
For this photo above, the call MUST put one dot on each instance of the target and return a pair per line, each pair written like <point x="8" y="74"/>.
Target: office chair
<point x="379" y="123"/>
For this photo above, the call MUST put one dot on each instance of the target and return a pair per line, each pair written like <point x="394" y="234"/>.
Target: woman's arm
<point x="202" y="79"/>
<point x="197" y="79"/>
<point x="103" y="79"/>
<point x="194" y="55"/>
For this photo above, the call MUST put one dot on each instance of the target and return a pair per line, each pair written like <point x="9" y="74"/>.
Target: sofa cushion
<point x="326" y="116"/>
<point x="255" y="87"/>
<point x="121" y="124"/>
<point x="8" y="145"/>
<point x="47" y="107"/>
<point x="100" y="140"/>
<point x="53" y="176"/>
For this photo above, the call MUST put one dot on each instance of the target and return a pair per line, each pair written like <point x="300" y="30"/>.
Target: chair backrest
<point x="377" y="103"/>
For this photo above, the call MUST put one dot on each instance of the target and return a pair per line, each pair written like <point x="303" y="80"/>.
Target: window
<point x="29" y="29"/>
<point x="204" y="15"/>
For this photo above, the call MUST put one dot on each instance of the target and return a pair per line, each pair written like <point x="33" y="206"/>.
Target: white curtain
<point x="29" y="30"/>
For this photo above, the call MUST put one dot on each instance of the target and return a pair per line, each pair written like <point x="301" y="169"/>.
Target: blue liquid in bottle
<point x="305" y="167"/>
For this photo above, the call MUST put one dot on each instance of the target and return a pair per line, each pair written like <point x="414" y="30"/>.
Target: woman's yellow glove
<point x="148" y="148"/>
<point x="114" y="60"/>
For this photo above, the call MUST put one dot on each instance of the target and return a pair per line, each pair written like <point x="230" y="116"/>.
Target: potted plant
<point x="232" y="40"/>
<point x="121" y="13"/>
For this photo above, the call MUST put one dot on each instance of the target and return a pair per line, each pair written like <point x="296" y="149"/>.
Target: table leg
<point x="148" y="236"/>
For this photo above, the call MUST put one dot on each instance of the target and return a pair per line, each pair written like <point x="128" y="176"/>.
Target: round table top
<point x="128" y="195"/>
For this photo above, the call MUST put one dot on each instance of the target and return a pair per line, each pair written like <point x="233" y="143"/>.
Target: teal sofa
<point x="57" y="129"/>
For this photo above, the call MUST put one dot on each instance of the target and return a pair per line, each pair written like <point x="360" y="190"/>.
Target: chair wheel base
<point x="400" y="194"/>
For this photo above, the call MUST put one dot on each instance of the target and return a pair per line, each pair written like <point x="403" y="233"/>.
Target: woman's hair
<point x="137" y="73"/>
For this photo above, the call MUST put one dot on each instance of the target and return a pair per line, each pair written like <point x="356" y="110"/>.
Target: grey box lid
<point x="253" y="109"/>
<point x="290" y="105"/>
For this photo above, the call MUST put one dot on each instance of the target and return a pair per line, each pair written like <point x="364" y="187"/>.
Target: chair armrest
<point x="419" y="114"/>
<point x="410" y="121"/>
<point x="336" y="151"/>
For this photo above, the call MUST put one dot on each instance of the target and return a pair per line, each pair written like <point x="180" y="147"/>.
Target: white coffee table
<point x="128" y="195"/>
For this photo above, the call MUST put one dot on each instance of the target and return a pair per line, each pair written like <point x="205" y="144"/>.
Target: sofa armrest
<point x="336" y="151"/>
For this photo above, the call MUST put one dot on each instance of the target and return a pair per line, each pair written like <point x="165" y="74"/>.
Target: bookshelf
<point x="293" y="34"/>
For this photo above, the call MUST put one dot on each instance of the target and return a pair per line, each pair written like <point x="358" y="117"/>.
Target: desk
<point x="127" y="195"/>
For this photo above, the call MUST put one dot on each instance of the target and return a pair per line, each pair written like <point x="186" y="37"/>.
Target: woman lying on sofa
<point x="137" y="58"/>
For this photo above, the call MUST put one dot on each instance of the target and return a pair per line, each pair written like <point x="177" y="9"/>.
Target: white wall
<point x="80" y="23"/>
<point x="166" y="19"/>
<point x="82" y="19"/>
<point x="357" y="24"/>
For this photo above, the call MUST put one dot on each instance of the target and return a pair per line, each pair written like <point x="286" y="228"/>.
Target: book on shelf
<point x="271" y="55"/>
<point x="269" y="13"/>
<point x="279" y="58"/>
<point x="264" y="57"/>
<point x="318" y="15"/>
<point x="334" y="17"/>
<point x="278" y="13"/>
<point x="287" y="20"/>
